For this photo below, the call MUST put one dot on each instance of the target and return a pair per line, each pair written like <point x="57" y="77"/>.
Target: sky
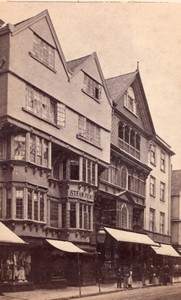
<point x="123" y="34"/>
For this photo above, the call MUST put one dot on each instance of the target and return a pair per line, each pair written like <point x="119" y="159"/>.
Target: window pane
<point x="53" y="214"/>
<point x="19" y="204"/>
<point x="72" y="215"/>
<point x="19" y="147"/>
<point x="44" y="52"/>
<point x="8" y="204"/>
<point x="29" y="204"/>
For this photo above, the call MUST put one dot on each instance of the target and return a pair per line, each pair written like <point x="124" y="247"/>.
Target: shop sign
<point x="80" y="194"/>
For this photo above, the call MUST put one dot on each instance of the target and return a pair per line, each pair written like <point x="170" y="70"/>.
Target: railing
<point x="128" y="148"/>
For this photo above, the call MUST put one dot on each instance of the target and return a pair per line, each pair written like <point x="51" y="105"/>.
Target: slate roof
<point x="176" y="182"/>
<point x="117" y="85"/>
<point x="73" y="64"/>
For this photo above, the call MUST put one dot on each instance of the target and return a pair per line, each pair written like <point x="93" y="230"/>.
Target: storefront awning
<point x="130" y="237"/>
<point x="65" y="246"/>
<point x="9" y="237"/>
<point x="167" y="250"/>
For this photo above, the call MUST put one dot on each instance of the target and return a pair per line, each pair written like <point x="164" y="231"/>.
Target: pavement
<point x="67" y="293"/>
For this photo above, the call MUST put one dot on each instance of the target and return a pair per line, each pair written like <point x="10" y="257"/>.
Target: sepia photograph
<point x="90" y="162"/>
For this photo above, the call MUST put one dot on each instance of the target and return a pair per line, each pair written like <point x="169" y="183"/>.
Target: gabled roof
<point x="118" y="85"/>
<point x="176" y="182"/>
<point x="28" y="22"/>
<point x="78" y="64"/>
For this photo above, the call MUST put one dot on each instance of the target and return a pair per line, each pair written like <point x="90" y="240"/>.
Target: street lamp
<point x="101" y="235"/>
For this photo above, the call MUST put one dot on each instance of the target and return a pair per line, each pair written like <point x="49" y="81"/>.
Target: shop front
<point x="165" y="255"/>
<point x="15" y="261"/>
<point x="126" y="249"/>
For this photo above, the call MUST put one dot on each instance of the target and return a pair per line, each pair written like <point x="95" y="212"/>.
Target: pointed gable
<point x="41" y="24"/>
<point x="121" y="85"/>
<point x="91" y="66"/>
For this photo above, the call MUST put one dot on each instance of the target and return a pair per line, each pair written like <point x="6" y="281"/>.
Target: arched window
<point x="124" y="216"/>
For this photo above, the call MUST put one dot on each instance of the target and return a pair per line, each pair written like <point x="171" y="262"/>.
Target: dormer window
<point x="129" y="100"/>
<point x="92" y="87"/>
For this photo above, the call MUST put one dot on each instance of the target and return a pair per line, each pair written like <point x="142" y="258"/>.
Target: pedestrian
<point x="119" y="277"/>
<point x="126" y="274"/>
<point x="130" y="279"/>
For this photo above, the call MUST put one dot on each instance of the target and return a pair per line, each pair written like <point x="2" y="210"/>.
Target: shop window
<point x="92" y="87"/>
<point x="44" y="106"/>
<point x="53" y="214"/>
<point x="16" y="266"/>
<point x="74" y="169"/>
<point x="89" y="131"/>
<point x="19" y="203"/>
<point x="162" y="223"/>
<point x="43" y="52"/>
<point x="19" y="147"/>
<point x="8" y="204"/>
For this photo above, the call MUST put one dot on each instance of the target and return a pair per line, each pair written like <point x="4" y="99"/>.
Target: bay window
<point x="37" y="149"/>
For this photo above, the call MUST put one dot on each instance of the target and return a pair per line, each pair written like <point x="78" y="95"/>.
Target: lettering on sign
<point x="79" y="194"/>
